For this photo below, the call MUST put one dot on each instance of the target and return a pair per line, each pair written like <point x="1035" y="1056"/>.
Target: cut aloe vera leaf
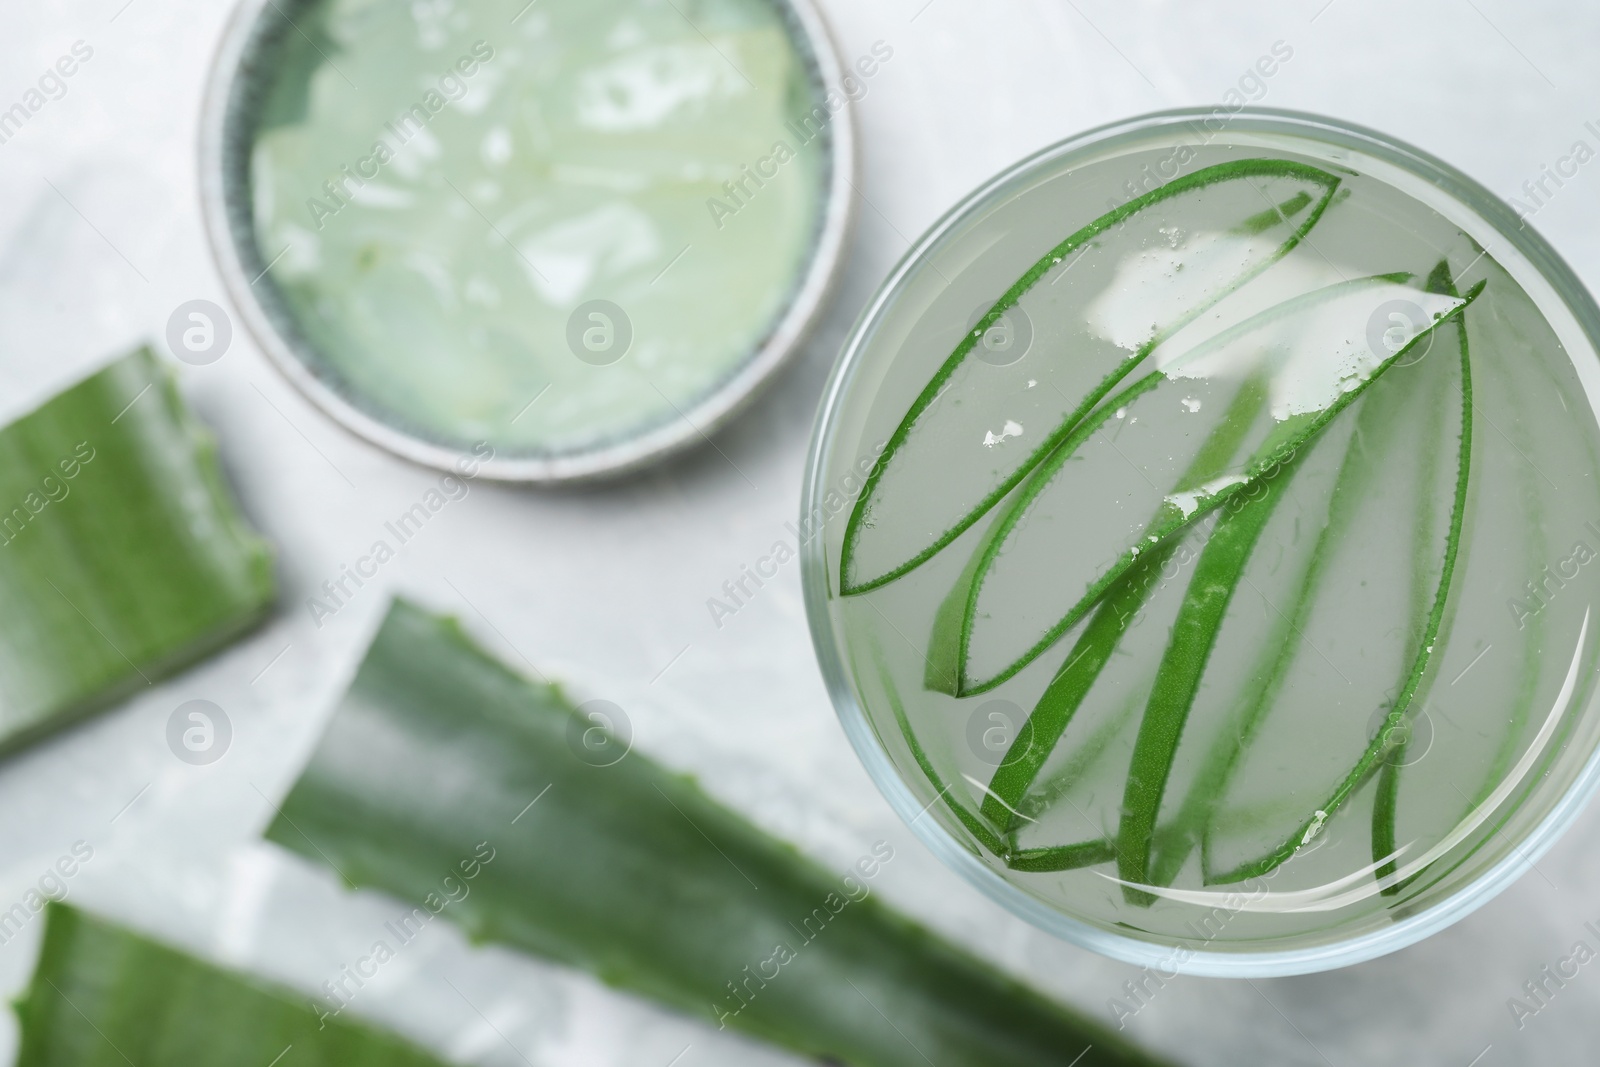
<point x="1315" y="680"/>
<point x="1062" y="857"/>
<point x="1386" y="804"/>
<point x="1093" y="649"/>
<point x="945" y="793"/>
<point x="1388" y="733"/>
<point x="1384" y="810"/>
<point x="1531" y="547"/>
<point x="1084" y="759"/>
<point x="1025" y="593"/>
<point x="1205" y="606"/>
<point x="1365" y="451"/>
<point x="1176" y="841"/>
<point x="104" y="996"/>
<point x="122" y="554"/>
<point x="1143" y="250"/>
<point x="635" y="874"/>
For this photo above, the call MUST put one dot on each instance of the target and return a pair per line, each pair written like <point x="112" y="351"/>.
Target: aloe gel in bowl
<point x="1208" y="545"/>
<point x="556" y="231"/>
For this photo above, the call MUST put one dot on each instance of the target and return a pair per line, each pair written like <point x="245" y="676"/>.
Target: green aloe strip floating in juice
<point x="444" y="192"/>
<point x="1223" y="568"/>
<point x="123" y="556"/>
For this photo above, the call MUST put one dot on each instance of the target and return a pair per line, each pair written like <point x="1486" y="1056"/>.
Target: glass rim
<point x="1173" y="957"/>
<point x="230" y="229"/>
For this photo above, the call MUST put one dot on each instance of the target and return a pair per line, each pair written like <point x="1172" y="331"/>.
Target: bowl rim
<point x="1172" y="957"/>
<point x="694" y="424"/>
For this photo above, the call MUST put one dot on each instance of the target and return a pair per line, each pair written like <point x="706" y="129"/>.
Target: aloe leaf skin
<point x="1380" y="744"/>
<point x="1194" y="821"/>
<point x="1062" y="857"/>
<point x="1092" y="651"/>
<point x="122" y="554"/>
<point x="1313" y="200"/>
<point x="1052" y="858"/>
<point x="1169" y="518"/>
<point x="1191" y="825"/>
<point x="1045" y="795"/>
<point x="104" y="996"/>
<point x="1194" y="634"/>
<point x="1385" y="808"/>
<point x="980" y="830"/>
<point x="1534" y="632"/>
<point x="1051" y="716"/>
<point x="636" y="875"/>
<point x="947" y="646"/>
<point x="1279" y="447"/>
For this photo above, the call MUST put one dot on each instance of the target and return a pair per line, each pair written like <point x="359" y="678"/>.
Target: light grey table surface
<point x="100" y="239"/>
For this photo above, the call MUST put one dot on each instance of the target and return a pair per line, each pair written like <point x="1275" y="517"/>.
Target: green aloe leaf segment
<point x="633" y="873"/>
<point x="104" y="996"/>
<point x="1144" y="852"/>
<point x="122" y="554"/>
<point x="1389" y="735"/>
<point x="1183" y="664"/>
<point x="1201" y="615"/>
<point x="1306" y="192"/>
<point x="1094" y="647"/>
<point x="1283" y="441"/>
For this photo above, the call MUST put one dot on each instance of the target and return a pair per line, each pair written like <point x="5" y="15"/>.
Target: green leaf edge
<point x="1193" y="823"/>
<point x="1376" y="747"/>
<point x="967" y="972"/>
<point x="258" y="553"/>
<point x="1268" y="461"/>
<point x="1059" y="703"/>
<point x="1385" y="807"/>
<point x="1156" y="558"/>
<point x="1194" y="633"/>
<point x="78" y="944"/>
<point x="1199" y="179"/>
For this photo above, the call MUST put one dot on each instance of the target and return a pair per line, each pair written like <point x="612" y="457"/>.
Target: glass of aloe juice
<point x="1205" y="526"/>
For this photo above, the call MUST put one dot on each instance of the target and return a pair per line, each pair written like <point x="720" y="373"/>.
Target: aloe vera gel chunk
<point x="105" y="996"/>
<point x="549" y="233"/>
<point x="441" y="762"/>
<point x="1222" y="567"/>
<point x="123" y="556"/>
